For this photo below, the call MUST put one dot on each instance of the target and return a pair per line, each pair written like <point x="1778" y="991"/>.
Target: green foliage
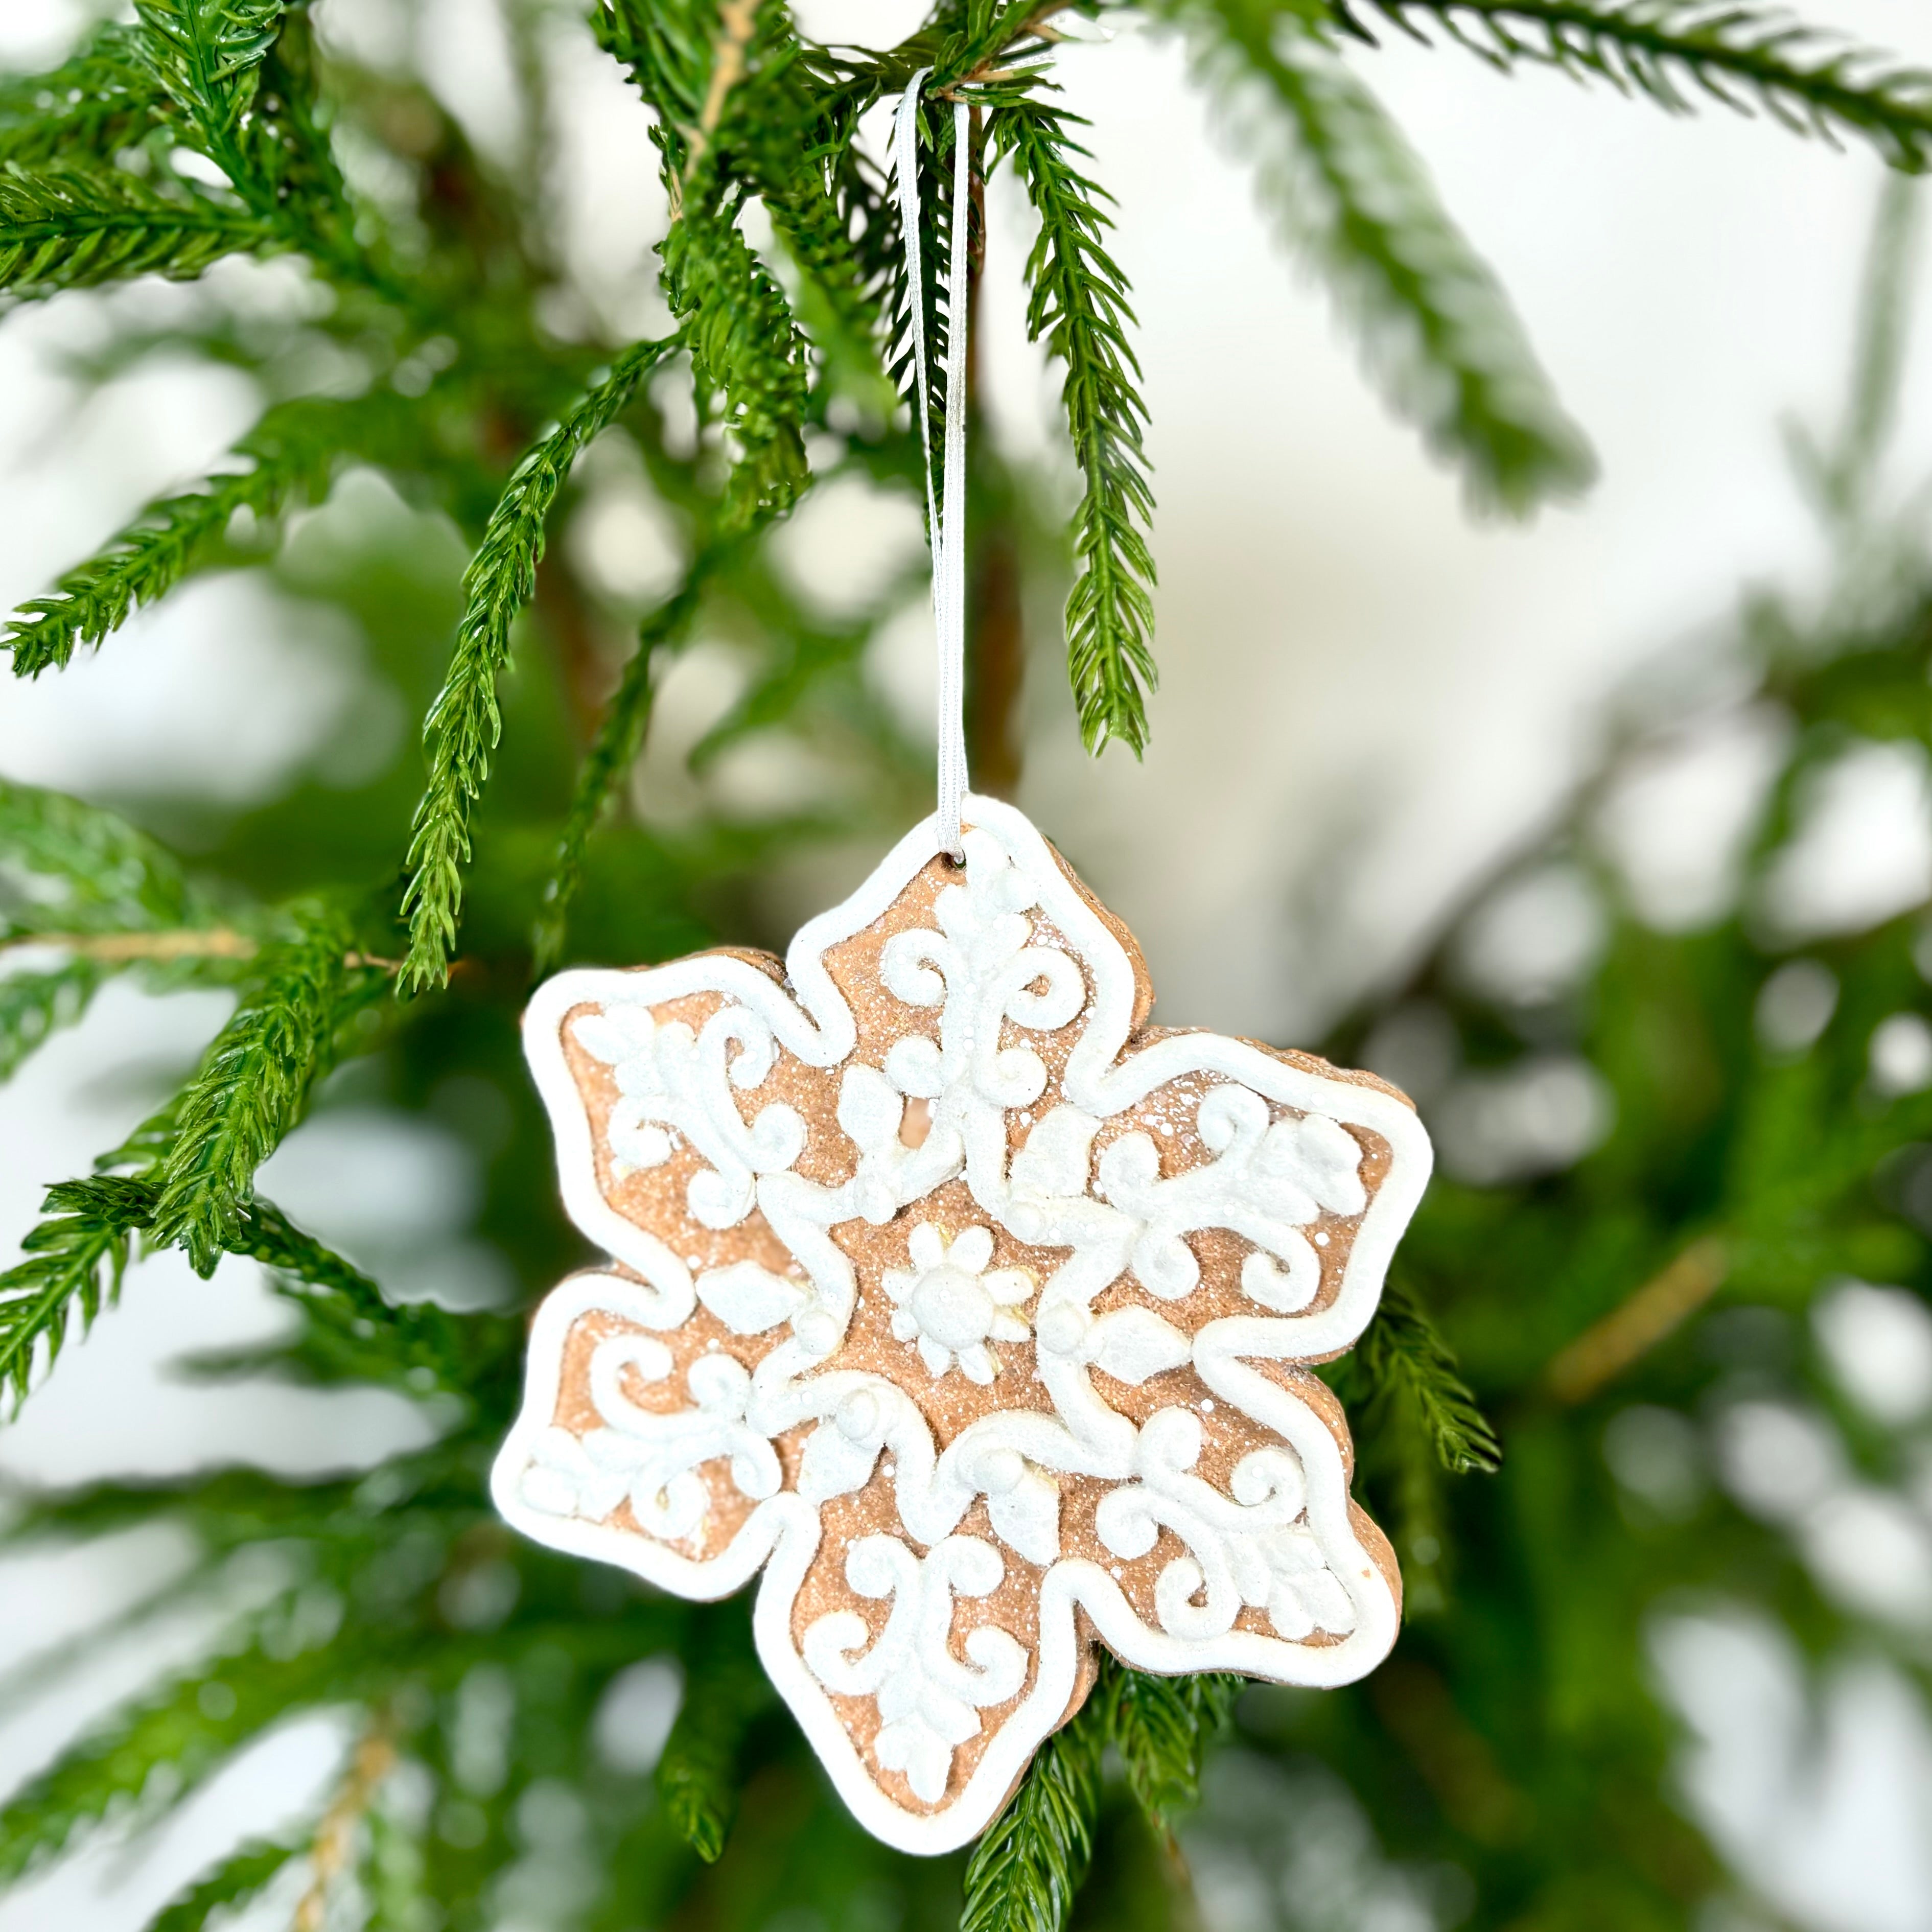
<point x="1436" y="331"/>
<point x="1079" y="307"/>
<point x="1025" y="1871"/>
<point x="206" y="55"/>
<point x="1674" y="51"/>
<point x="65" y="226"/>
<point x="435" y="328"/>
<point x="100" y="99"/>
<point x="72" y="1263"/>
<point x="745" y="348"/>
<point x="237" y="1879"/>
<point x="88" y="870"/>
<point x="1162" y="1727"/>
<point x="256" y="1082"/>
<point x="699" y="1774"/>
<point x="295" y="450"/>
<point x="461" y="731"/>
<point x="620" y="737"/>
<point x="1402" y="1360"/>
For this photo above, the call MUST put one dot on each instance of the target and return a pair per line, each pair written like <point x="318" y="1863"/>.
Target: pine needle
<point x="1027" y="1868"/>
<point x="746" y="348"/>
<point x="1436" y="332"/>
<point x="1163" y="1727"/>
<point x="697" y="1774"/>
<point x="102" y="98"/>
<point x="464" y="723"/>
<point x="207" y="55"/>
<point x="92" y="871"/>
<point x="1807" y="79"/>
<point x="256" y="1082"/>
<point x="1079" y="308"/>
<point x="620" y="737"/>
<point x="294" y="450"/>
<point x="1401" y="1358"/>
<point x="65" y="226"/>
<point x="244" y="1875"/>
<point x="72" y="1263"/>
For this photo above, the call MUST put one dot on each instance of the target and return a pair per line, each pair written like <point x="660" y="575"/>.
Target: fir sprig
<point x="746" y="347"/>
<point x="73" y="1262"/>
<point x="1402" y="1359"/>
<point x="68" y="226"/>
<point x="1672" y="51"/>
<point x="93" y="872"/>
<point x="256" y="1080"/>
<point x="207" y="55"/>
<point x="697" y="1774"/>
<point x="1078" y="306"/>
<point x="620" y="737"/>
<point x="1436" y="332"/>
<point x="292" y="452"/>
<point x="461" y="731"/>
<point x="1027" y="1866"/>
<point x="1163" y="1727"/>
<point x="100" y="99"/>
<point x="233" y="1882"/>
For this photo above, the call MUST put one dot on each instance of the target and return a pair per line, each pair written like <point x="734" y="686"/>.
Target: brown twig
<point x="1602" y="1352"/>
<point x="210" y="942"/>
<point x="335" y="1836"/>
<point x="740" y="19"/>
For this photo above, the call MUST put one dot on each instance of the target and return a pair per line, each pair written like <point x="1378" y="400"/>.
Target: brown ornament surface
<point x="973" y="1307"/>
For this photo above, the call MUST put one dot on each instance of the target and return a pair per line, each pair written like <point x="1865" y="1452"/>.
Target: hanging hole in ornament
<point x="916" y="1123"/>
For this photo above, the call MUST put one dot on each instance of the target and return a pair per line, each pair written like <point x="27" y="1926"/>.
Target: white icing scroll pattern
<point x="673" y="1082"/>
<point x="929" y="1698"/>
<point x="1270" y="1577"/>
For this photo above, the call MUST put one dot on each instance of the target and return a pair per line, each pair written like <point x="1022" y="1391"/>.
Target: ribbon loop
<point x="945" y="510"/>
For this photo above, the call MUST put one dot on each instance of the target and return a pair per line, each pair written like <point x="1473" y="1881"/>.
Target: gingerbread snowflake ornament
<point x="971" y="1308"/>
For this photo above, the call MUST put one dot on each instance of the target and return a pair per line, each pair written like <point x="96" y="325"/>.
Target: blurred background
<point x="1370" y="703"/>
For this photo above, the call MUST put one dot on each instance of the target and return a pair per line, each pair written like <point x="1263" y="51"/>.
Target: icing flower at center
<point x="950" y="1304"/>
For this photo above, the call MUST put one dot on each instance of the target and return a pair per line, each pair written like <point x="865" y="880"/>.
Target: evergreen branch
<point x="244" y="1875"/>
<point x="351" y="1330"/>
<point x="100" y="100"/>
<point x="34" y="1005"/>
<point x="256" y="1082"/>
<point x="668" y="46"/>
<point x="1401" y="1358"/>
<point x="67" y="227"/>
<point x="1437" y="334"/>
<point x="620" y="737"/>
<point x="71" y="1263"/>
<point x="207" y="55"/>
<point x="111" y="877"/>
<point x="1079" y="307"/>
<point x="725" y="1689"/>
<point x="465" y="721"/>
<point x="192" y="1727"/>
<point x="294" y="451"/>
<point x="746" y="347"/>
<point x="1162" y="1727"/>
<point x="1029" y="1863"/>
<point x="1807" y="79"/>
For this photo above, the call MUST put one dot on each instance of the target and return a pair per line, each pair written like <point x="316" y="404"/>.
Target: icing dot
<point x="1206" y="1406"/>
<point x="693" y="1261"/>
<point x="1321" y="1240"/>
<point x="1118" y="1571"/>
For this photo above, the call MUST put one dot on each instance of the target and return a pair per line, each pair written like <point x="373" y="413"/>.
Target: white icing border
<point x="811" y="1021"/>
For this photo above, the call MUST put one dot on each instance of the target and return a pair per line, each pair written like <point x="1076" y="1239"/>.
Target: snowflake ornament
<point x="972" y="1309"/>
